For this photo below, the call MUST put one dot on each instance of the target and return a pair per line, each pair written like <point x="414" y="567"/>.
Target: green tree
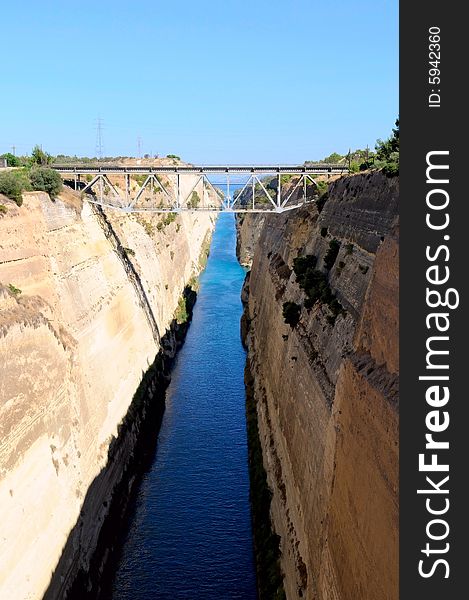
<point x="395" y="136"/>
<point x="387" y="153"/>
<point x="46" y="180"/>
<point x="11" y="186"/>
<point x="39" y="157"/>
<point x="12" y="160"/>
<point x="333" y="158"/>
<point x="384" y="149"/>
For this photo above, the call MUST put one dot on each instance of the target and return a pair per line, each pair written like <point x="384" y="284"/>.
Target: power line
<point x="139" y="147"/>
<point x="99" y="138"/>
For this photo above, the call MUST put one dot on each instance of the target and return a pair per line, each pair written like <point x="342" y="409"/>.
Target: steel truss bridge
<point x="188" y="188"/>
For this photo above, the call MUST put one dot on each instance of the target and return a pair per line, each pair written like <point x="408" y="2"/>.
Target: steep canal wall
<point x="87" y="303"/>
<point x="321" y="328"/>
<point x="189" y="535"/>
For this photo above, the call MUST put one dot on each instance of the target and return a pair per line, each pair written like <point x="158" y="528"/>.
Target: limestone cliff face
<point x="248" y="230"/>
<point x="327" y="392"/>
<point x="84" y="300"/>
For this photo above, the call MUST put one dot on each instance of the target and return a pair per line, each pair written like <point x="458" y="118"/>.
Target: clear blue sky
<point x="210" y="80"/>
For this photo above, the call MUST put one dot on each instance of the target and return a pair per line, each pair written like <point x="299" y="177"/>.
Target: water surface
<point x="190" y="534"/>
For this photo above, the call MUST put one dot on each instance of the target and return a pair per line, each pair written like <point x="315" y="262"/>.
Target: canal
<point x="190" y="535"/>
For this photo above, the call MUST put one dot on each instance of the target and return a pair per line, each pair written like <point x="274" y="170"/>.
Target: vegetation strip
<point x="33" y="174"/>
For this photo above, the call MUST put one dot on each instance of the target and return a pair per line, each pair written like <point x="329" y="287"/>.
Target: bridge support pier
<point x="127" y="189"/>
<point x="279" y="191"/>
<point x="178" y="192"/>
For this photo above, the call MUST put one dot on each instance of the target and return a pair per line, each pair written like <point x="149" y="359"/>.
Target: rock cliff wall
<point x="85" y="301"/>
<point x="326" y="390"/>
<point x="248" y="229"/>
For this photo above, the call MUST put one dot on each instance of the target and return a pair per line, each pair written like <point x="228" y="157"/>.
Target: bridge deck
<point x="318" y="169"/>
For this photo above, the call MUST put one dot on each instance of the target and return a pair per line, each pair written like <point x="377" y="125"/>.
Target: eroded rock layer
<point x="86" y="299"/>
<point x="326" y="390"/>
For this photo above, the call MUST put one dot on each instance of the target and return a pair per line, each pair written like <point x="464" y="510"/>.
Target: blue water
<point x="190" y="535"/>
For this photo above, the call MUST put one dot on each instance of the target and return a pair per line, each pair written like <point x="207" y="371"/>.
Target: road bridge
<point x="189" y="188"/>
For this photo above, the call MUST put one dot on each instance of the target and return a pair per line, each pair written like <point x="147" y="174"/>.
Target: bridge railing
<point x="315" y="168"/>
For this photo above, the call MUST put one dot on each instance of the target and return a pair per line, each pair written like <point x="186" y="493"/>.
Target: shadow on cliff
<point x="87" y="566"/>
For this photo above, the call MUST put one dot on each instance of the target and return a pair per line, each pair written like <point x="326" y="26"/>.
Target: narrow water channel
<point x="190" y="535"/>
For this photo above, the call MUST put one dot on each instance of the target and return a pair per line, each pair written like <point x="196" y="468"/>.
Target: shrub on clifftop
<point x="12" y="160"/>
<point x="46" y="180"/>
<point x="13" y="184"/>
<point x="385" y="150"/>
<point x="387" y="154"/>
<point x="34" y="176"/>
